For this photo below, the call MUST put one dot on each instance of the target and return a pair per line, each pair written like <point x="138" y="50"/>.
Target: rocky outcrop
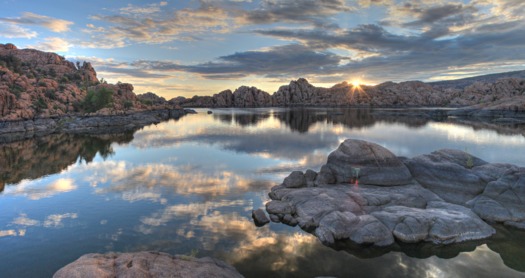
<point x="112" y="122"/>
<point x="364" y="161"/>
<point x="145" y="264"/>
<point x="501" y="95"/>
<point x="151" y="99"/>
<point x="439" y="198"/>
<point x="36" y="84"/>
<point x="242" y="97"/>
<point x="251" y="97"/>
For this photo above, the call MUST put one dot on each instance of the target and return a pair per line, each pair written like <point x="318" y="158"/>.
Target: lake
<point x="188" y="186"/>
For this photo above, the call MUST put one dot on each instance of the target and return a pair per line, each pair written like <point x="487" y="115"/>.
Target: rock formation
<point x="151" y="99"/>
<point x="145" y="264"/>
<point x="504" y="94"/>
<point x="368" y="196"/>
<point x="36" y="84"/>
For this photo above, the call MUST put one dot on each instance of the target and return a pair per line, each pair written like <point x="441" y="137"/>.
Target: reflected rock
<point x="510" y="244"/>
<point x="421" y="250"/>
<point x="145" y="264"/>
<point x="242" y="119"/>
<point x="23" y="159"/>
<point x="368" y="196"/>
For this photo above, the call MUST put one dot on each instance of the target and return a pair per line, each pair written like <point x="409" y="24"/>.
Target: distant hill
<point x="489" y="78"/>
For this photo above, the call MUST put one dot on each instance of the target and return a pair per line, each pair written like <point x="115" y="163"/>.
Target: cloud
<point x="130" y="72"/>
<point x="296" y="11"/>
<point x="23" y="220"/>
<point x="145" y="182"/>
<point x="153" y="25"/>
<point x="131" y="9"/>
<point x="294" y="59"/>
<point x="55" y="220"/>
<point x="52" y="44"/>
<point x="13" y="31"/>
<point x="384" y="55"/>
<point x="368" y="37"/>
<point x="28" y="18"/>
<point x="368" y="3"/>
<point x="35" y="190"/>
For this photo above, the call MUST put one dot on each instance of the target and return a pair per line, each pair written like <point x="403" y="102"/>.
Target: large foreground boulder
<point x="367" y="162"/>
<point x="450" y="174"/>
<point x="503" y="200"/>
<point x="440" y="198"/>
<point x="376" y="215"/>
<point x="145" y="264"/>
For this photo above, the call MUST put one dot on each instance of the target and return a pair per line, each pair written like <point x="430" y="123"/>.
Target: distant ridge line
<point x="464" y="82"/>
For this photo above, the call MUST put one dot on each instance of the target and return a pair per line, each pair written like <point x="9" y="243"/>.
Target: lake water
<point x="188" y="186"/>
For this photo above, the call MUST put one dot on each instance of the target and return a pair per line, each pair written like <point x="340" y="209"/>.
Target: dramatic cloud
<point x="28" y="18"/>
<point x="297" y="11"/>
<point x="294" y="59"/>
<point x="150" y="24"/>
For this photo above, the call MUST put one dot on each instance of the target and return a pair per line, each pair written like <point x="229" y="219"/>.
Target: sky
<point x="201" y="47"/>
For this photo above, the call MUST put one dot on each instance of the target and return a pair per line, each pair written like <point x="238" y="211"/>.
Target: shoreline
<point x="11" y="131"/>
<point x="122" y="121"/>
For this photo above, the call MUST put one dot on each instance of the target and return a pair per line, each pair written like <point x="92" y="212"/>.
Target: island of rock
<point x="367" y="195"/>
<point x="145" y="264"/>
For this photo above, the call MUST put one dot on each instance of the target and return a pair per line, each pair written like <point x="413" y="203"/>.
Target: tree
<point x="96" y="100"/>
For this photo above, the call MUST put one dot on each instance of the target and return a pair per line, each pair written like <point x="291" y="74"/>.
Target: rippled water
<point x="188" y="186"/>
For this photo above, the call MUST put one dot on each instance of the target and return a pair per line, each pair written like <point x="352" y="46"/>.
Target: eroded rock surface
<point x="145" y="264"/>
<point x="377" y="215"/>
<point x="369" y="162"/>
<point x="441" y="198"/>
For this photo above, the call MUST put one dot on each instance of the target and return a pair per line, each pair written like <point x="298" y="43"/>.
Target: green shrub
<point x="52" y="72"/>
<point x="147" y="102"/>
<point x="16" y="90"/>
<point x="11" y="62"/>
<point x="39" y="104"/>
<point x="96" y="100"/>
<point x="50" y="94"/>
<point x="128" y="104"/>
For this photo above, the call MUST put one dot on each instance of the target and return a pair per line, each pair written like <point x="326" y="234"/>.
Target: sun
<point x="355" y="83"/>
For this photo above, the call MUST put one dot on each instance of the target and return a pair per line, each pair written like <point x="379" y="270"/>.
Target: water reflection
<point x="189" y="186"/>
<point x="37" y="157"/>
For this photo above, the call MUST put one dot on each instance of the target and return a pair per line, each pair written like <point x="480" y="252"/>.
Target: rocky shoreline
<point x="85" y="124"/>
<point x="368" y="196"/>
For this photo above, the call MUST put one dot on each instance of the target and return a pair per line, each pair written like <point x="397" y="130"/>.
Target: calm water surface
<point x="188" y="186"/>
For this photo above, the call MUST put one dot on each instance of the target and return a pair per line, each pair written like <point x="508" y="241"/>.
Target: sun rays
<point x="356" y="88"/>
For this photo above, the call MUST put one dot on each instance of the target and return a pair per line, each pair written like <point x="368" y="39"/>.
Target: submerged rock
<point x="145" y="264"/>
<point x="440" y="198"/>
